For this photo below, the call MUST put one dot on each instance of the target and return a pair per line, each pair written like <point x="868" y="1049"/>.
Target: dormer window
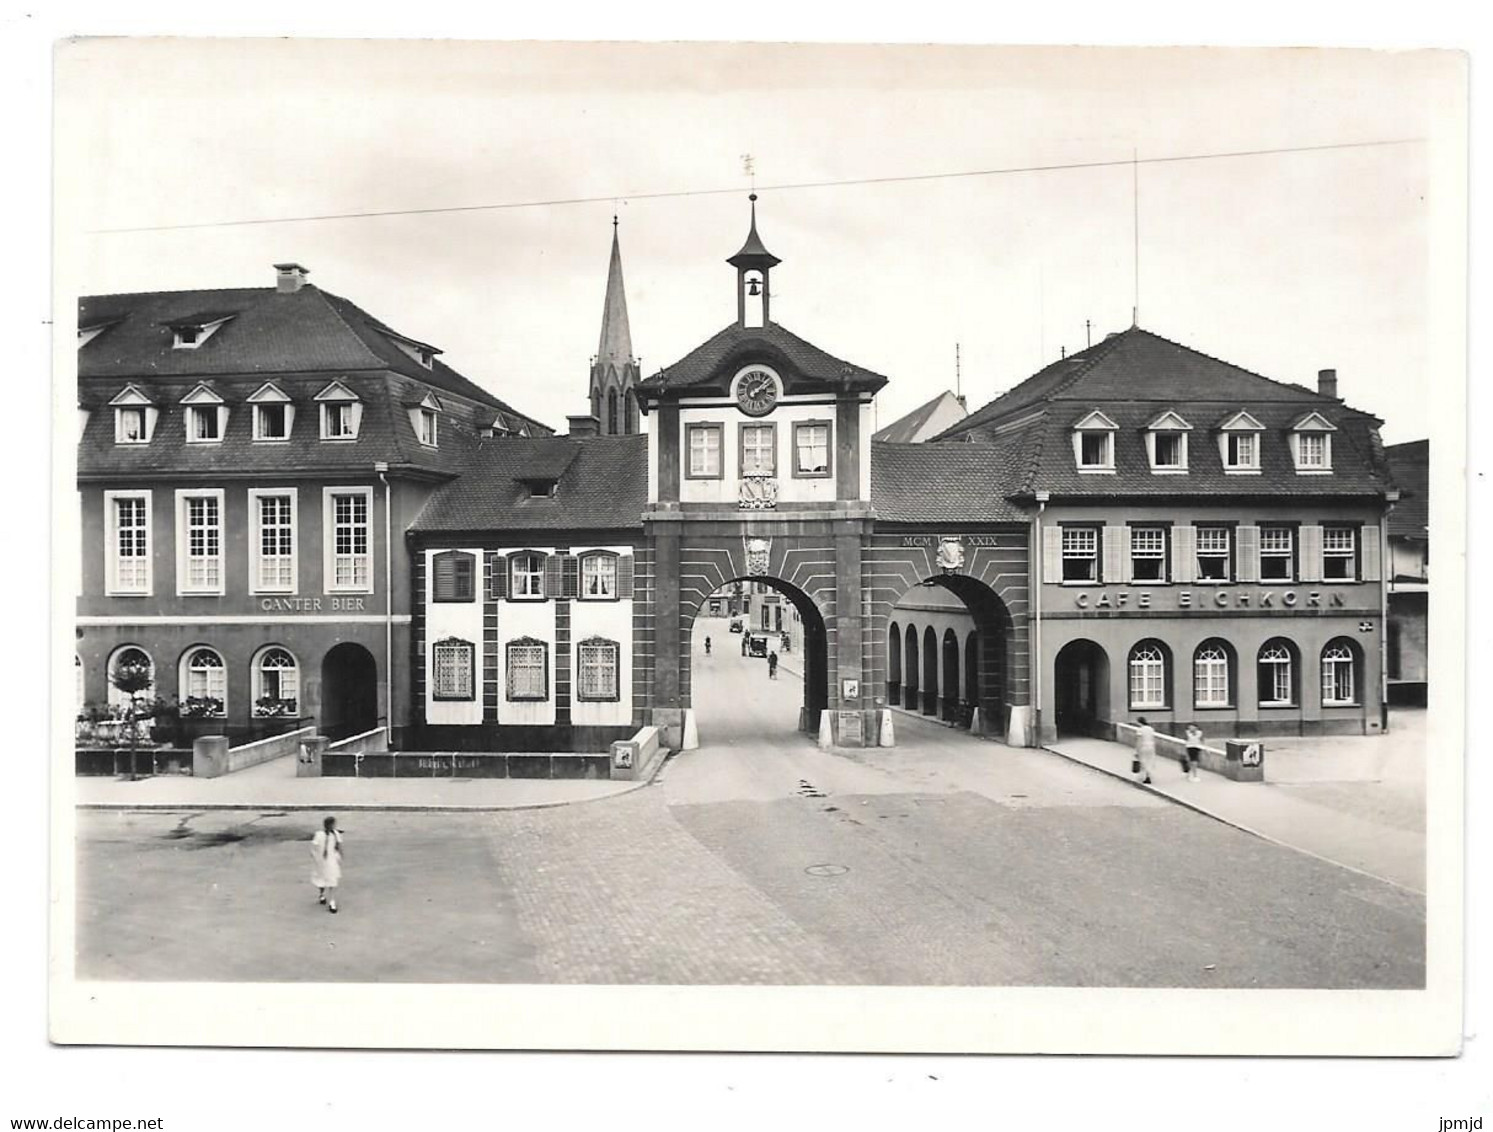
<point x="273" y="413"/>
<point x="541" y="488"/>
<point x="1311" y="444"/>
<point x="134" y="417"/>
<point x="189" y="335"/>
<point x="1166" y="443"/>
<point x="1094" y="443"/>
<point x="1239" y="444"/>
<point x="423" y="418"/>
<point x="421" y="352"/>
<point x="206" y="416"/>
<point x="87" y="334"/>
<point x="341" y="412"/>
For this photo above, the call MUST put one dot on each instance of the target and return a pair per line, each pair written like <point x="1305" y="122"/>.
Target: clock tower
<point x="754" y="264"/>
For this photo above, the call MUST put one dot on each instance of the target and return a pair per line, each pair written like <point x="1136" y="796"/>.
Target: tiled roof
<point x="946" y="483"/>
<point x="1410" y="464"/>
<point x="800" y="363"/>
<point x="603" y="485"/>
<point x="1136" y="364"/>
<point x="385" y="432"/>
<point x="910" y="429"/>
<point x="270" y="332"/>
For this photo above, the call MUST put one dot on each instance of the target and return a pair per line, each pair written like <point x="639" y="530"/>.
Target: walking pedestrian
<point x="1145" y="750"/>
<point x="707" y="646"/>
<point x="772" y="666"/>
<point x="326" y="862"/>
<point x="1194" y="748"/>
<point x="745" y="638"/>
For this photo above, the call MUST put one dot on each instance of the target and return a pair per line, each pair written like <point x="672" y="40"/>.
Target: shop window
<point x="528" y="669"/>
<point x="1339" y="554"/>
<point x="1211" y="675"/>
<point x="276" y="683"/>
<point x="1339" y="675"/>
<point x="598" y="577"/>
<point x="1214" y="554"/>
<point x="597" y="663"/>
<point x="704" y="447"/>
<point x="811" y="449"/>
<point x="759" y="450"/>
<point x="1148" y="554"/>
<point x="1148" y="676"/>
<point x="452" y="665"/>
<point x="1080" y="554"/>
<point x="204" y="684"/>
<point x="454" y="576"/>
<point x="1277" y="554"/>
<point x="1277" y="675"/>
<point x="526" y="576"/>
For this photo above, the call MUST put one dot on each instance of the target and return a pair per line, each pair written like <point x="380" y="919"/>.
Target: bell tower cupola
<point x="753" y="264"/>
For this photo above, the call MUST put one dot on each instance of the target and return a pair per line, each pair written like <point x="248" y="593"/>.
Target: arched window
<point x="597" y="663"/>
<point x="612" y="429"/>
<point x="452" y="665"/>
<point x="132" y="663"/>
<point x="1211" y="675"/>
<point x="1339" y="674"/>
<point x="276" y="683"/>
<point x="78" y="680"/>
<point x="1277" y="674"/>
<point x="204" y="684"/>
<point x="1148" y="675"/>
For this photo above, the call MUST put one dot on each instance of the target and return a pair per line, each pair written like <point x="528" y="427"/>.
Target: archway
<point x="972" y="669"/>
<point x="910" y="699"/>
<point x="349" y="691"/>
<point x="930" y="672"/>
<point x="1081" y="689"/>
<point x="951" y="686"/>
<point x="730" y="689"/>
<point x="894" y="664"/>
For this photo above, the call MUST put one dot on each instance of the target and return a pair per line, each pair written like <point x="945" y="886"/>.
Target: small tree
<point x="132" y="676"/>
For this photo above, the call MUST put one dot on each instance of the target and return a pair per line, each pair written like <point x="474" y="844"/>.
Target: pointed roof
<point x="802" y="365"/>
<point x="926" y="420"/>
<point x="754" y="253"/>
<point x="616" y="334"/>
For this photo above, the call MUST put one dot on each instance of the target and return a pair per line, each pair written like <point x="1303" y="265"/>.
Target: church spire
<point x="614" y="372"/>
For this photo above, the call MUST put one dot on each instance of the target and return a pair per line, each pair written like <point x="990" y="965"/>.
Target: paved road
<point x="757" y="859"/>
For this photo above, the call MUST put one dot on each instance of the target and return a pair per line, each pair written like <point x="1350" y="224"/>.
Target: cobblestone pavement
<point x="757" y="859"/>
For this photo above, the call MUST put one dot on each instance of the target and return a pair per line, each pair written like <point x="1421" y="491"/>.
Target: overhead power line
<point x="785" y="187"/>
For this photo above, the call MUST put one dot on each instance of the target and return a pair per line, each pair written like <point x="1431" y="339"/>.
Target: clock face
<point x="756" y="392"/>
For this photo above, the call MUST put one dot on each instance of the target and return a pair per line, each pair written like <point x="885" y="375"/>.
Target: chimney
<point x="290" y="277"/>
<point x="1327" y="383"/>
<point x="584" y="425"/>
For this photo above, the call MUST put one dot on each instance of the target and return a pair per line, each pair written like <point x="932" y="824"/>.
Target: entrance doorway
<point x="349" y="691"/>
<point x="730" y="689"/>
<point x="1081" y="689"/>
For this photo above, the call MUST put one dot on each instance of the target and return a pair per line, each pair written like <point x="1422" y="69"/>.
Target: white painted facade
<point x="462" y="620"/>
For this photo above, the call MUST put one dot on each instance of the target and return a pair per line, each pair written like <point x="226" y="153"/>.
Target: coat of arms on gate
<point x="950" y="554"/>
<point x="758" y="551"/>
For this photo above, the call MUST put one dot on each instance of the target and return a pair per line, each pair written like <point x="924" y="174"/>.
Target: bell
<point x="754" y="288"/>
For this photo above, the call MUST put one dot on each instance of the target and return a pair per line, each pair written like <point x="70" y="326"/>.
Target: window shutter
<point x="570" y="576"/>
<point x="1184" y="553"/>
<point x="357" y="418"/>
<point x="1371" y="567"/>
<point x="1248" y="554"/>
<point x="552" y="576"/>
<point x="1113" y="553"/>
<point x="443" y="577"/>
<point x="497" y="576"/>
<point x="1310" y="552"/>
<point x="465" y="577"/>
<point x="1127" y="564"/>
<point x="1052" y="554"/>
<point x="624" y="576"/>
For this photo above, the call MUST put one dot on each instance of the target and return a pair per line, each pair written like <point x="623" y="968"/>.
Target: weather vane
<point x="749" y="167"/>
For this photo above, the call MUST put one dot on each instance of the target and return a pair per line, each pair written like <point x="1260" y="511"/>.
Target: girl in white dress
<point x="326" y="863"/>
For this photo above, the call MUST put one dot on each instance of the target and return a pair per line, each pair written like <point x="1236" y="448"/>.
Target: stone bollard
<point x="826" y="731"/>
<point x="210" y="756"/>
<point x="886" y="733"/>
<point x="690" y="741"/>
<point x="309" y="756"/>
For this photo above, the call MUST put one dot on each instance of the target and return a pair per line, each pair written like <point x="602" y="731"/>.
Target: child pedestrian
<point x="772" y="666"/>
<point x="326" y="862"/>
<point x="1194" y="745"/>
<point x="1145" y="750"/>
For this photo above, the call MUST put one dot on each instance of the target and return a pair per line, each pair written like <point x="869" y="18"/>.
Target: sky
<point x="1284" y="263"/>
